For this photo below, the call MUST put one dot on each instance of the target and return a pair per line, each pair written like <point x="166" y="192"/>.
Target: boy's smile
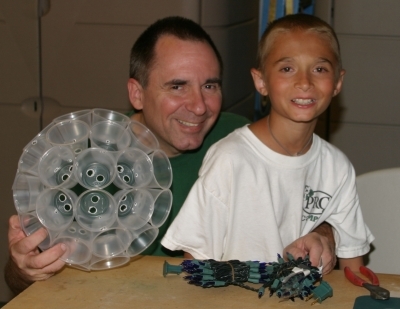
<point x="303" y="101"/>
<point x="300" y="75"/>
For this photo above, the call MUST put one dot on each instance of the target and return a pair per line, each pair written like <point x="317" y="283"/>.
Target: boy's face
<point x="299" y="75"/>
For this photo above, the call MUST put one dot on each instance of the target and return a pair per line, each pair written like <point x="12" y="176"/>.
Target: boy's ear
<point x="259" y="82"/>
<point x="135" y="91"/>
<point x="339" y="83"/>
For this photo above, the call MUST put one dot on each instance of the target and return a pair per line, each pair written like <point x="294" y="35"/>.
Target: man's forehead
<point x="172" y="53"/>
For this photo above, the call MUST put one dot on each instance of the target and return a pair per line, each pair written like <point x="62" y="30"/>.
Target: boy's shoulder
<point x="333" y="153"/>
<point x="233" y="148"/>
<point x="329" y="147"/>
<point x="225" y="124"/>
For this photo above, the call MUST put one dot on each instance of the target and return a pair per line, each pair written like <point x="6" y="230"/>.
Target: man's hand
<point x="26" y="263"/>
<point x="319" y="245"/>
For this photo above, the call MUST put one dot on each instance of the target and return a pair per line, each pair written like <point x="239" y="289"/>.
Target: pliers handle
<point x="377" y="292"/>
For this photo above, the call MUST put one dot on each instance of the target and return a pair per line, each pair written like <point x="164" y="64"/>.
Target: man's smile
<point x="189" y="124"/>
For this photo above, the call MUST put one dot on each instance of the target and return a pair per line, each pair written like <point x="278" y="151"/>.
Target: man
<point x="175" y="89"/>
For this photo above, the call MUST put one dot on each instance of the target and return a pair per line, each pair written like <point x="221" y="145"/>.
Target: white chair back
<point x="379" y="193"/>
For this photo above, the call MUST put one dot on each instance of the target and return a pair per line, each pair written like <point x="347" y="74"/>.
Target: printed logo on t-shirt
<point x="314" y="203"/>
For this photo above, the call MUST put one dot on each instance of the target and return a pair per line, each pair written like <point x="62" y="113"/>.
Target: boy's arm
<point x="187" y="256"/>
<point x="319" y="245"/>
<point x="353" y="263"/>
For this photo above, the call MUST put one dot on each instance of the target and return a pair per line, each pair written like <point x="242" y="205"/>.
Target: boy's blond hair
<point x="297" y="22"/>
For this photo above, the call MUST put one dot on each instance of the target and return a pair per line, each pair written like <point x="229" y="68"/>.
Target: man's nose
<point x="304" y="81"/>
<point x="196" y="103"/>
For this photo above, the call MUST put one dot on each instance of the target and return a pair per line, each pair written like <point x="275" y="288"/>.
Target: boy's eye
<point x="286" y="69"/>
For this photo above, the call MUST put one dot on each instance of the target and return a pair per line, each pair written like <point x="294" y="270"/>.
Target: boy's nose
<point x="304" y="82"/>
<point x="196" y="103"/>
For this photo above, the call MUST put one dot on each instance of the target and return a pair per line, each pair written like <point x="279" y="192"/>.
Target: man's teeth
<point x="303" y="101"/>
<point x="189" y="124"/>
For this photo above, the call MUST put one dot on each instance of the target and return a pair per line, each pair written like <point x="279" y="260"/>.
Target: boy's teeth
<point x="303" y="101"/>
<point x="189" y="124"/>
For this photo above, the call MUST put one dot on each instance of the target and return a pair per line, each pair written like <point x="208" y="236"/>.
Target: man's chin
<point x="189" y="146"/>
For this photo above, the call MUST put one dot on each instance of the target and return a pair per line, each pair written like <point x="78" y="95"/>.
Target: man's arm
<point x="26" y="263"/>
<point x="319" y="245"/>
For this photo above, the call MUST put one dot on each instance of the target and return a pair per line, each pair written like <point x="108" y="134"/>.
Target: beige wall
<point x="365" y="117"/>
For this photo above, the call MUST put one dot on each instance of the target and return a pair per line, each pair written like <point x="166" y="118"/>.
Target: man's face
<point x="183" y="97"/>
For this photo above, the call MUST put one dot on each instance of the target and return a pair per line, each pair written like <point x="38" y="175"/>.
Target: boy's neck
<point x="288" y="141"/>
<point x="303" y="149"/>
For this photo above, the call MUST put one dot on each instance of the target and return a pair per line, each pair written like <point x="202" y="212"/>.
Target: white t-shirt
<point x="250" y="202"/>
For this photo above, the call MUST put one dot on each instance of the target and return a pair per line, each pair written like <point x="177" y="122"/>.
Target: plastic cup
<point x="98" y="263"/>
<point x="96" y="210"/>
<point x="84" y="266"/>
<point x="100" y="114"/>
<point x="56" y="168"/>
<point x="31" y="155"/>
<point x="162" y="171"/>
<point x="95" y="168"/>
<point x="55" y="208"/>
<point x="142" y="239"/>
<point x="71" y="133"/>
<point x="134" y="169"/>
<point x="109" y="135"/>
<point x="78" y="242"/>
<point x="135" y="207"/>
<point x="26" y="189"/>
<point x="111" y="242"/>
<point x="162" y="206"/>
<point x="42" y="134"/>
<point x="142" y="138"/>
<point x="82" y="115"/>
<point x="30" y="224"/>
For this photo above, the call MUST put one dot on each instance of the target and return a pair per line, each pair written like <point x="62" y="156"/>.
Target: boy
<point x="271" y="182"/>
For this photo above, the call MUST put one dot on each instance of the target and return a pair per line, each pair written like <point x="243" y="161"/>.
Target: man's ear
<point x="259" y="82"/>
<point x="339" y="83"/>
<point x="135" y="91"/>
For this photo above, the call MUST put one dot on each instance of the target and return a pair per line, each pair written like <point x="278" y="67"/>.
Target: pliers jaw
<point x="377" y="292"/>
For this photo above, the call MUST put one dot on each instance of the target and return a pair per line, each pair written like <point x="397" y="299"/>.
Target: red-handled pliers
<point x="377" y="292"/>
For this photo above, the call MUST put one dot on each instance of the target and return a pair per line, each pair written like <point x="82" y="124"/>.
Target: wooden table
<point x="141" y="284"/>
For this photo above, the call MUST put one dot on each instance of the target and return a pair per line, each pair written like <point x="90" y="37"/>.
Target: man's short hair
<point x="143" y="51"/>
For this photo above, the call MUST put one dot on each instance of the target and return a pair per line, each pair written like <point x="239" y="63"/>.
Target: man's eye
<point x="213" y="87"/>
<point x="176" y="87"/>
<point x="286" y="69"/>
<point x="321" y="70"/>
